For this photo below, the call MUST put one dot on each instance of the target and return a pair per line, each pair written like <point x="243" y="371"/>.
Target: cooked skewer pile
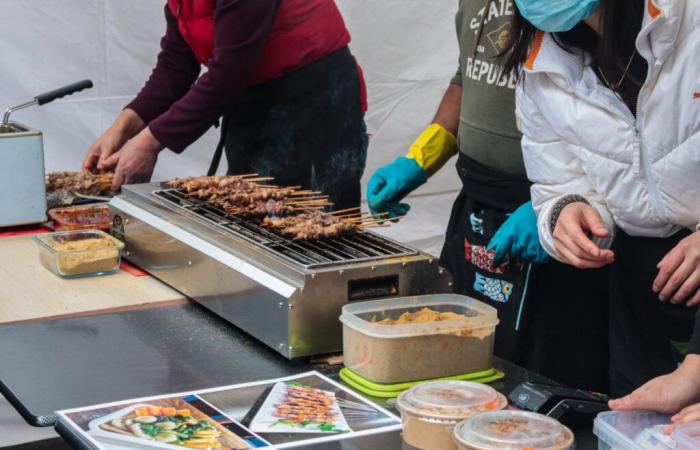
<point x="79" y="183"/>
<point x="292" y="212"/>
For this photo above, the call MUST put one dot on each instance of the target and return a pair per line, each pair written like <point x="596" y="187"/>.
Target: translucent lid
<point x="632" y="430"/>
<point x="688" y="436"/>
<point x="513" y="430"/>
<point x="452" y="400"/>
<point x="458" y="314"/>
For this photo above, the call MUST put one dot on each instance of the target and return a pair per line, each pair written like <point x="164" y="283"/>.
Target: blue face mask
<point x="556" y="16"/>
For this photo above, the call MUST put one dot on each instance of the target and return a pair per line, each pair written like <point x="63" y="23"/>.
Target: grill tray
<point x="361" y="246"/>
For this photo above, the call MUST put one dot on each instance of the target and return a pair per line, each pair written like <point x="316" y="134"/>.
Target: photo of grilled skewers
<point x="291" y="211"/>
<point x="295" y="408"/>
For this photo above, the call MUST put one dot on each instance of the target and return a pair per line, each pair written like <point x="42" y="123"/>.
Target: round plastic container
<point x="430" y="411"/>
<point x="512" y="430"/>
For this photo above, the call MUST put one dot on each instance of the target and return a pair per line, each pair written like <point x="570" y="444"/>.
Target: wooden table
<point x="31" y="292"/>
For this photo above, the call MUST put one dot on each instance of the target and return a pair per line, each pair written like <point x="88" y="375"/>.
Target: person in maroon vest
<point x="280" y="73"/>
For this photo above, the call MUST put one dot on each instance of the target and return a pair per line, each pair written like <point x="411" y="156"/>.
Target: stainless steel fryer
<point x="288" y="294"/>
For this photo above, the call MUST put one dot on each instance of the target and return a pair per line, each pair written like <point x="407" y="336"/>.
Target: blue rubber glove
<point x="390" y="183"/>
<point x="517" y="238"/>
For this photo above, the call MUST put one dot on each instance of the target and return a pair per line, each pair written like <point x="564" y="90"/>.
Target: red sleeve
<point x="176" y="70"/>
<point x="241" y="30"/>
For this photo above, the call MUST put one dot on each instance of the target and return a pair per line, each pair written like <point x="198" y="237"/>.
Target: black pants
<point x="306" y="128"/>
<point x="553" y="317"/>
<point x="642" y="328"/>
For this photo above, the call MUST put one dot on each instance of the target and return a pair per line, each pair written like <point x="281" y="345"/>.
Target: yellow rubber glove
<point x="433" y="148"/>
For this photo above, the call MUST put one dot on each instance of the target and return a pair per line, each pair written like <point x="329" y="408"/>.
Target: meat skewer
<point x="80" y="183"/>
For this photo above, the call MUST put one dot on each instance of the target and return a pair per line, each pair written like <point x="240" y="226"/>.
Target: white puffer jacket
<point x="580" y="138"/>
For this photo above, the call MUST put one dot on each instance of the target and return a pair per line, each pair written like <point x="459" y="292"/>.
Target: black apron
<point x="643" y="329"/>
<point x="304" y="129"/>
<point x="553" y="317"/>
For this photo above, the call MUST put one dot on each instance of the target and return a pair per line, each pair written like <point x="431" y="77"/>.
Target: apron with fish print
<point x="483" y="204"/>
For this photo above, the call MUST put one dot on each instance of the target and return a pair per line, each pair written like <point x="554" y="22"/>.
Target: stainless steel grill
<point x="357" y="247"/>
<point x="286" y="293"/>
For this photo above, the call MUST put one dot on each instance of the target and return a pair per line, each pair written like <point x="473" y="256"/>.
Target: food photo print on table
<point x="300" y="410"/>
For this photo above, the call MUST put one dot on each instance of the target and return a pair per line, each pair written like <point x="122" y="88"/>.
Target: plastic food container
<point x="687" y="437"/>
<point x="512" y="430"/>
<point x="75" y="254"/>
<point x="382" y="346"/>
<point x="87" y="217"/>
<point x="430" y="411"/>
<point x="639" y="430"/>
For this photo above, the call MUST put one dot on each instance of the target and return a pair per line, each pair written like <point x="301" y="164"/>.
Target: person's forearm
<point x="129" y="123"/>
<point x="447" y="114"/>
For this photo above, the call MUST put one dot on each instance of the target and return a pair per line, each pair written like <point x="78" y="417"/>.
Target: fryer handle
<point x="50" y="96"/>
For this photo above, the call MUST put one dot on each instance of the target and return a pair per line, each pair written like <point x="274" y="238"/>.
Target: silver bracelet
<point x="560" y="205"/>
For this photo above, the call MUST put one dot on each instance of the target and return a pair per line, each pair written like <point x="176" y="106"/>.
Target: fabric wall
<point x="407" y="48"/>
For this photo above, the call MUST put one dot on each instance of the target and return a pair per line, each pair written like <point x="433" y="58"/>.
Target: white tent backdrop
<point x="407" y="48"/>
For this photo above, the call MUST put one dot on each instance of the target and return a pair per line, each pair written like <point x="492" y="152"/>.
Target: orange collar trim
<point x="535" y="50"/>
<point x="654" y="10"/>
<point x="696" y="95"/>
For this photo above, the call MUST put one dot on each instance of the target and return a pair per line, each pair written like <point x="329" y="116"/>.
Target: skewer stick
<point x="393" y="219"/>
<point x="306" y="192"/>
<point x="357" y="208"/>
<point x="373" y="225"/>
<point x="369" y="216"/>
<point x="253" y="180"/>
<point x="247" y="175"/>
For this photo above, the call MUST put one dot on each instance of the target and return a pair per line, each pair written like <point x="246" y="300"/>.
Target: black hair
<point x="621" y="22"/>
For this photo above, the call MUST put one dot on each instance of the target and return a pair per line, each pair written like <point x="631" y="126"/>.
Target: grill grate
<point x="360" y="246"/>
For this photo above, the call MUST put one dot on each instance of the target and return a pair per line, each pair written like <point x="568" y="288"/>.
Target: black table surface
<point x="59" y="364"/>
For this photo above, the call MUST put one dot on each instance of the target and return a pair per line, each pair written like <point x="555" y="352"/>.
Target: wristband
<point x="560" y="205"/>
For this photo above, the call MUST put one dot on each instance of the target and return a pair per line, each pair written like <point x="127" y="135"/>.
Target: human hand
<point x="518" y="238"/>
<point x="686" y="415"/>
<point x="390" y="183"/>
<point x="667" y="393"/>
<point x="135" y="162"/>
<point x="679" y="273"/>
<point x="571" y="237"/>
<point x="126" y="126"/>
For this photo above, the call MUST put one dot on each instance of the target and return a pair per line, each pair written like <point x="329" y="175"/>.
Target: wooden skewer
<point x="369" y="216"/>
<point x="311" y="197"/>
<point x="253" y="180"/>
<point x="375" y="225"/>
<point x="306" y="192"/>
<point x="392" y="219"/>
<point x="247" y="175"/>
<point x="333" y="213"/>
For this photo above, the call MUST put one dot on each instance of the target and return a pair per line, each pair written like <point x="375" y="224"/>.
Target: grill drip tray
<point x="360" y="246"/>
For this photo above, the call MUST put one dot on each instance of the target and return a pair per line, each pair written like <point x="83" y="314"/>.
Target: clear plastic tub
<point x="512" y="430"/>
<point x="456" y="337"/>
<point x="430" y="411"/>
<point x="687" y="437"/>
<point x="75" y="254"/>
<point x="87" y="217"/>
<point x="638" y="430"/>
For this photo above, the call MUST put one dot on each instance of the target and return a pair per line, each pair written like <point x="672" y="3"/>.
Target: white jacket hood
<point x="641" y="174"/>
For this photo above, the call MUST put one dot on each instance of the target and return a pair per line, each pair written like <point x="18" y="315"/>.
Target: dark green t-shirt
<point x="487" y="130"/>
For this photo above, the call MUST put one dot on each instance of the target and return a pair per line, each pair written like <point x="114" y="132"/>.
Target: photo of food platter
<point x="294" y="408"/>
<point x="300" y="410"/>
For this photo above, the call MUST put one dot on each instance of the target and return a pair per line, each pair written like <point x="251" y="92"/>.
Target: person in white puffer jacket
<point x="608" y="101"/>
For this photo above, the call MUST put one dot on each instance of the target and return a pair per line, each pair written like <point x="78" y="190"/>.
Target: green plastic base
<point x="373" y="389"/>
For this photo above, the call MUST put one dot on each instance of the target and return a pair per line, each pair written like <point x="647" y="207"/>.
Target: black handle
<point x="48" y="97"/>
